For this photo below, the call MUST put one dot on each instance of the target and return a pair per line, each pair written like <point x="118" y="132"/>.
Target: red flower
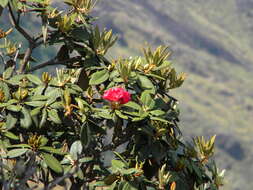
<point x="119" y="95"/>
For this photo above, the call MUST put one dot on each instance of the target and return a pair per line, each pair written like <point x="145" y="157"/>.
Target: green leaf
<point x="76" y="88"/>
<point x="138" y="119"/>
<point x="52" y="150"/>
<point x="4" y="87"/>
<point x="159" y="119"/>
<point x="26" y="119"/>
<point x="10" y="121"/>
<point x="15" y="80"/>
<point x="197" y="170"/>
<point x="85" y="159"/>
<point x="35" y="111"/>
<point x="117" y="165"/>
<point x="10" y="102"/>
<point x="133" y="105"/>
<point x="35" y="103"/>
<point x="44" y="117"/>
<point x="34" y="79"/>
<point x="14" y="108"/>
<point x="85" y="135"/>
<point x="38" y="92"/>
<point x="11" y="135"/>
<point x="53" y="115"/>
<point x="76" y="149"/>
<point x="3" y="3"/>
<point x="81" y="103"/>
<point x="99" y="77"/>
<point x="52" y="162"/>
<point x="165" y="64"/>
<point x="82" y="79"/>
<point x="56" y="105"/>
<point x="129" y="171"/>
<point x="38" y="98"/>
<point x="118" y="113"/>
<point x="16" y="152"/>
<point x="7" y="73"/>
<point x="20" y="146"/>
<point x="146" y="84"/>
<point x="105" y="114"/>
<point x="120" y="157"/>
<point x="157" y="112"/>
<point x="53" y="94"/>
<point x="155" y="76"/>
<point x="80" y="34"/>
<point x="147" y="100"/>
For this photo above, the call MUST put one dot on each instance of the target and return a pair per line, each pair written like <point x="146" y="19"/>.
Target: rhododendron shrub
<point x="57" y="127"/>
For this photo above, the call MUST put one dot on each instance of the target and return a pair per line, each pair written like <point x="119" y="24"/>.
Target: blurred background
<point x="212" y="41"/>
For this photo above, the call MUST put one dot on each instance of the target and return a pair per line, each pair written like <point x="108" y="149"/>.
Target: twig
<point x="17" y="52"/>
<point x="55" y="62"/>
<point x="16" y="56"/>
<point x="1" y="55"/>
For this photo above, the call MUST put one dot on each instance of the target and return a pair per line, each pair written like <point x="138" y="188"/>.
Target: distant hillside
<point x="212" y="41"/>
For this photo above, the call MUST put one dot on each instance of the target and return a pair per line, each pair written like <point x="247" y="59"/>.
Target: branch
<point x="32" y="43"/>
<point x="28" y="54"/>
<point x="55" y="62"/>
<point x="19" y="28"/>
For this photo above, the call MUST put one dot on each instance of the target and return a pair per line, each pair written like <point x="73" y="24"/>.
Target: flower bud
<point x="46" y="78"/>
<point x="21" y="94"/>
<point x="2" y="96"/>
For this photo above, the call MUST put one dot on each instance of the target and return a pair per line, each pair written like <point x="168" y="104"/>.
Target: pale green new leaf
<point x="99" y="77"/>
<point x="53" y="115"/>
<point x="26" y="119"/>
<point x="76" y="149"/>
<point x="7" y="73"/>
<point x="52" y="162"/>
<point x="3" y="3"/>
<point x="16" y="152"/>
<point x="34" y="79"/>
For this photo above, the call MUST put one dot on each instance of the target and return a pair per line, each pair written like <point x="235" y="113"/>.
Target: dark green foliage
<point x="56" y="127"/>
